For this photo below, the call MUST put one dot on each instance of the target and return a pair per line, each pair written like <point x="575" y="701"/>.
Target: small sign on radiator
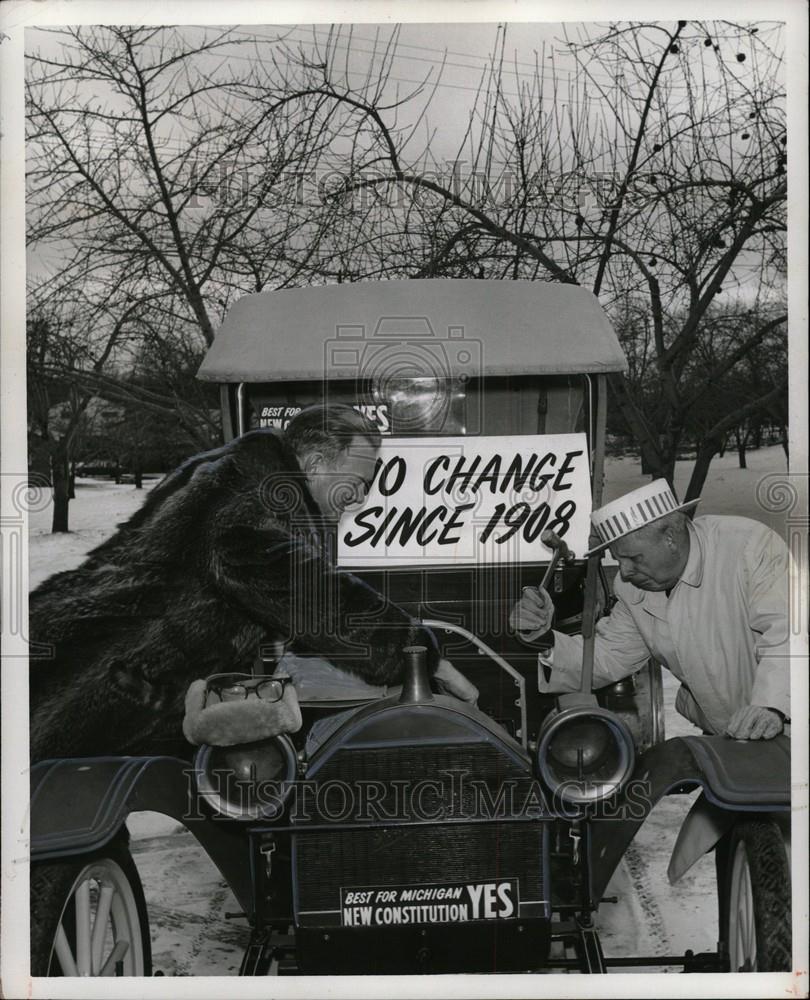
<point x="436" y="903"/>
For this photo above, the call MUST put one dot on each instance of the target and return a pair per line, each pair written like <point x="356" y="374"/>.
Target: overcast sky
<point x="458" y="55"/>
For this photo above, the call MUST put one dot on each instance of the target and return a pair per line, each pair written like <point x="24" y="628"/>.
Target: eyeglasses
<point x="238" y="687"/>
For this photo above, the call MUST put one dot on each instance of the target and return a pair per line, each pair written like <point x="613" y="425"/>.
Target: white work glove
<point x="452" y="681"/>
<point x="533" y="614"/>
<point x="755" y="722"/>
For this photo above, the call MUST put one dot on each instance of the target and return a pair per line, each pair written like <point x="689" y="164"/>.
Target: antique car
<point x="411" y="832"/>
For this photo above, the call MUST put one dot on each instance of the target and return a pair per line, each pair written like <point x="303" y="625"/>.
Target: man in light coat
<point x="706" y="598"/>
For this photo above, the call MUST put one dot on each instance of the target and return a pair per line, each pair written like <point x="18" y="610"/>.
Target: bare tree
<point x="649" y="165"/>
<point x="735" y="378"/>
<point x="60" y="353"/>
<point x="146" y="162"/>
<point x="657" y="171"/>
<point x="156" y="178"/>
<point x="150" y="163"/>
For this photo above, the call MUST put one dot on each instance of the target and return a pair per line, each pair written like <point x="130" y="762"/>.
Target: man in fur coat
<point x="226" y="554"/>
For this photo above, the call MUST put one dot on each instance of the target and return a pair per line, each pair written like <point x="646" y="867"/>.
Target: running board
<point x="705" y="961"/>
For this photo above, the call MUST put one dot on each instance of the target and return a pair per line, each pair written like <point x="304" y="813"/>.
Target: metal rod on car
<point x="592" y="572"/>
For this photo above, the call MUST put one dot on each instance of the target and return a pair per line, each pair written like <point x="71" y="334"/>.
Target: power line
<point x="553" y="74"/>
<point x="483" y="66"/>
<point x="425" y="82"/>
<point x="483" y="63"/>
<point x="470" y="55"/>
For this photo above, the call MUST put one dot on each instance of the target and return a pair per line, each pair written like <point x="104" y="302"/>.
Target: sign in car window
<point x="275" y="416"/>
<point x="470" y="501"/>
<point x="271" y="414"/>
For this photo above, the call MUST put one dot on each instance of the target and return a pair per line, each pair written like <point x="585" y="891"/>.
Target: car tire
<point x="88" y="916"/>
<point x="755" y="907"/>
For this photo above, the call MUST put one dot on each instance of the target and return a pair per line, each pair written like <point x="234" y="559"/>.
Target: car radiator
<point x="444" y="815"/>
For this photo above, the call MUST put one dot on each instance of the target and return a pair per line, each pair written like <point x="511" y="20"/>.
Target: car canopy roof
<point x="516" y="327"/>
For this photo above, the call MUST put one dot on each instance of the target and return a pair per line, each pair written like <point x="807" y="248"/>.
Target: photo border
<point x="15" y="16"/>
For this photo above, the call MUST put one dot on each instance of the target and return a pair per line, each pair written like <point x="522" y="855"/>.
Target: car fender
<point x="736" y="777"/>
<point x="741" y="777"/>
<point x="78" y="805"/>
<point x="703" y="827"/>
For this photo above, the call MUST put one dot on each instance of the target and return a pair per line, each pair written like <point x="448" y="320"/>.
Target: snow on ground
<point x="653" y="917"/>
<point x="99" y="507"/>
<point x="188" y="898"/>
<point x="728" y="488"/>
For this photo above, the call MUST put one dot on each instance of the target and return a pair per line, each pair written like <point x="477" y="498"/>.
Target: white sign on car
<point x="470" y="501"/>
